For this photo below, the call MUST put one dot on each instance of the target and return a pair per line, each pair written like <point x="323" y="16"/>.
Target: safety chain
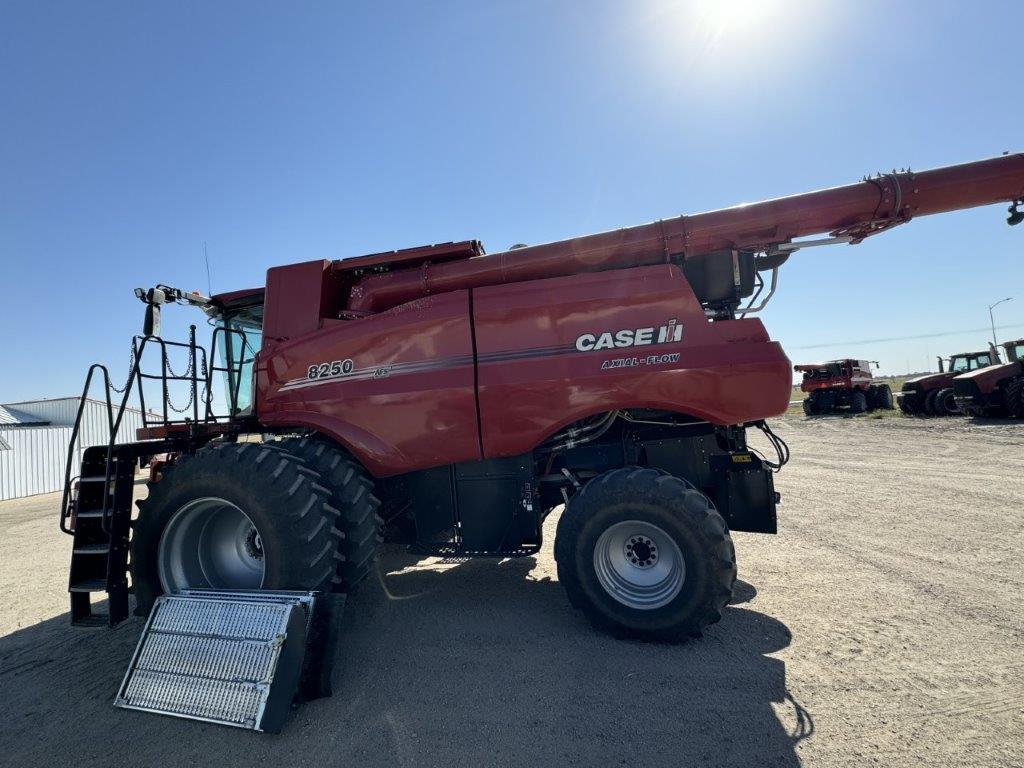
<point x="131" y="369"/>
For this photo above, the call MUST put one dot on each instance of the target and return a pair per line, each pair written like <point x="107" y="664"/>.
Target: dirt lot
<point x="883" y="625"/>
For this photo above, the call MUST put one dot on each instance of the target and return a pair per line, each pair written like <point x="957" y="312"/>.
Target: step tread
<point x="92" y="621"/>
<point x="91" y="549"/>
<point x="89" y="585"/>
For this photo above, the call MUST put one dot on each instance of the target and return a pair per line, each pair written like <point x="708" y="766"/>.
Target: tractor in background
<point x="842" y="384"/>
<point x="997" y="390"/>
<point x="932" y="394"/>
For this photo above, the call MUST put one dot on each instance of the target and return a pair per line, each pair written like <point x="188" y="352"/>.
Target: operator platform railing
<point x="198" y="374"/>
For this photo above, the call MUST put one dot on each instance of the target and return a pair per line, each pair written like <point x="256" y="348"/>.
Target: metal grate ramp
<point x="233" y="658"/>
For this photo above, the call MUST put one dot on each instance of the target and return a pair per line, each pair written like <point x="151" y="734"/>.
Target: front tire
<point x="945" y="403"/>
<point x="644" y="554"/>
<point x="235" y="516"/>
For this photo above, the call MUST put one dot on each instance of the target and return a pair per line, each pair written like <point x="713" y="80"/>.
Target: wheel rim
<point x="211" y="543"/>
<point x="639" y="565"/>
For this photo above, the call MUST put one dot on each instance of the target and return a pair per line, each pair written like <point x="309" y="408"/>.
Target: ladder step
<point x="92" y="621"/>
<point x="89" y="585"/>
<point x="96" y="479"/>
<point x="91" y="549"/>
<point x="90" y="514"/>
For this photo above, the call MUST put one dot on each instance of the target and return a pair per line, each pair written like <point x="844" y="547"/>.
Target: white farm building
<point x="34" y="438"/>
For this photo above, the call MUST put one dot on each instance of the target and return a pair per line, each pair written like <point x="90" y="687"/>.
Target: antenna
<point x="206" y="256"/>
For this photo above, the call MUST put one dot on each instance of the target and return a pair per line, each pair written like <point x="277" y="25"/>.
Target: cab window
<point x="238" y="346"/>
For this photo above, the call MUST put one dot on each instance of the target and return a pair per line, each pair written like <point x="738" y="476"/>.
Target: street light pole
<point x="991" y="318"/>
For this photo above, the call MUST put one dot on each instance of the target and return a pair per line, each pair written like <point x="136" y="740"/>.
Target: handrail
<point x="74" y="436"/>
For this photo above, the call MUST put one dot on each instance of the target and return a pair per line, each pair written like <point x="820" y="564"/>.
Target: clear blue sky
<point x="130" y="133"/>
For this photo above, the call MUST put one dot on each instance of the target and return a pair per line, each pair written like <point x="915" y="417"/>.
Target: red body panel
<point x="855" y="376"/>
<point x="533" y="380"/>
<point x="408" y="401"/>
<point x="931" y="381"/>
<point x="991" y="377"/>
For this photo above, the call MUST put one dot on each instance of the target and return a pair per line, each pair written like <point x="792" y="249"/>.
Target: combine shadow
<point x="478" y="663"/>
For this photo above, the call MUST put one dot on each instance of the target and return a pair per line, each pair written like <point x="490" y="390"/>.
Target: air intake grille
<point x="230" y="658"/>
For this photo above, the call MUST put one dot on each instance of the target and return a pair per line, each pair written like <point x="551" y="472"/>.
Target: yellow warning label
<point x="741" y="458"/>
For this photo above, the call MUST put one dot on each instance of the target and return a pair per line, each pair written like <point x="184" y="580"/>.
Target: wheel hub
<point x="641" y="551"/>
<point x="254" y="544"/>
<point x="639" y="564"/>
<point x="210" y="543"/>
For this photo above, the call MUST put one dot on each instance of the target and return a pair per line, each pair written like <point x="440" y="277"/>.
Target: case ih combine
<point x="842" y="384"/>
<point x="617" y="373"/>
<point x="932" y="394"/>
<point x="997" y="390"/>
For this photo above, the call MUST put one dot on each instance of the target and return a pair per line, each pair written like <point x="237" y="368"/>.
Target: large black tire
<point x="905" y="405"/>
<point x="680" y="512"/>
<point x="285" y="500"/>
<point x="1015" y="398"/>
<point x="809" y="409"/>
<point x="885" y="400"/>
<point x="858" y="401"/>
<point x="945" y="403"/>
<point x="929" y="402"/>
<point x="822" y="402"/>
<point x="351" y="494"/>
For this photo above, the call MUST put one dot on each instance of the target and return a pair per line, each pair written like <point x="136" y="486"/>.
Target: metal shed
<point x="34" y="438"/>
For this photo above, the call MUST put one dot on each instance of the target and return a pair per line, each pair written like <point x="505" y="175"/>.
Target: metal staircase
<point x="96" y="508"/>
<point x="99" y="519"/>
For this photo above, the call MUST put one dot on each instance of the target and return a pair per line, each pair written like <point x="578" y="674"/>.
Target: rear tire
<point x="809" y="409"/>
<point x="644" y="554"/>
<point x="352" y="494"/>
<point x="294" y="532"/>
<point x="945" y="403"/>
<point x="858" y="401"/>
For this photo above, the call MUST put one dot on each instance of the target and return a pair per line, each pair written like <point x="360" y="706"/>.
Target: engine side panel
<point x="551" y="352"/>
<point x="396" y="388"/>
<point x="986" y="380"/>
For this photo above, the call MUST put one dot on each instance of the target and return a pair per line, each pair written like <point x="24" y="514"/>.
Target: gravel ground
<point x="883" y="625"/>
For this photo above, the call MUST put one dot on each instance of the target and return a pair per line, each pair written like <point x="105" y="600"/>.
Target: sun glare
<point x="705" y="43"/>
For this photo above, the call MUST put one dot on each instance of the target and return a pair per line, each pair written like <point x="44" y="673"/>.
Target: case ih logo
<point x="666" y="334"/>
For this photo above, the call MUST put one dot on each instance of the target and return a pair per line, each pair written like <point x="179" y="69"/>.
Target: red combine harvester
<point x="470" y="395"/>
<point x="846" y="383"/>
<point x="997" y="390"/>
<point x="932" y="394"/>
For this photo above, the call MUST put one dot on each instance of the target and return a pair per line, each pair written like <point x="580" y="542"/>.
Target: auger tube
<point x="854" y="211"/>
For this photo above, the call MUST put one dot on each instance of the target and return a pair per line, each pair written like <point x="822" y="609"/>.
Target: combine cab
<point x="842" y="384"/>
<point x="932" y="394"/>
<point x="997" y="390"/>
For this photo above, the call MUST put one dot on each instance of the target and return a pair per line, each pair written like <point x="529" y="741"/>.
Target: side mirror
<point x="151" y="324"/>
